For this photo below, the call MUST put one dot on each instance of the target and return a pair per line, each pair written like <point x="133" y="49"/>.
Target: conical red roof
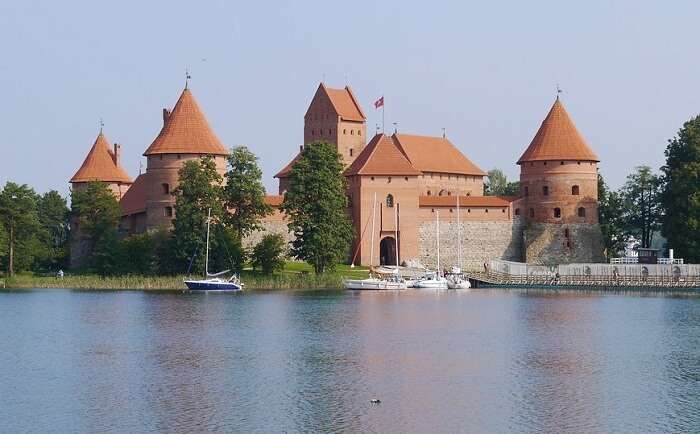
<point x="186" y="131"/>
<point x="99" y="165"/>
<point x="558" y="139"/>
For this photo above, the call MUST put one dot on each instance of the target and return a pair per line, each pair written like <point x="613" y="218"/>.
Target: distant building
<point x="415" y="179"/>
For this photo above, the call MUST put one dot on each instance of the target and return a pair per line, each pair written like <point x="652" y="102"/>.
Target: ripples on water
<point x="485" y="361"/>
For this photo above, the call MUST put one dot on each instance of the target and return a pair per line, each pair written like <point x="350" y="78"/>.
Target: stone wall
<point x="550" y="243"/>
<point x="481" y="241"/>
<point x="269" y="227"/>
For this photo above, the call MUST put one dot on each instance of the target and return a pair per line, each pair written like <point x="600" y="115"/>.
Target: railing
<point x="635" y="260"/>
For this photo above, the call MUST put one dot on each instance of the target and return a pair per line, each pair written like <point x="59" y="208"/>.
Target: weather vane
<point x="558" y="90"/>
<point x="102" y="124"/>
<point x="443" y="132"/>
<point x="396" y="130"/>
<point x="187" y="77"/>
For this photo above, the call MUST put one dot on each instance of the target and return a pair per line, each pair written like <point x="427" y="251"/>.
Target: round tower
<point x="559" y="193"/>
<point x="186" y="135"/>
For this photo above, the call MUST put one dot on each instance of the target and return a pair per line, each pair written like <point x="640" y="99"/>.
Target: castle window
<point x="517" y="211"/>
<point x="168" y="211"/>
<point x="532" y="212"/>
<point x="166" y="188"/>
<point x="545" y="191"/>
<point x="330" y="132"/>
<point x="449" y="193"/>
<point x="566" y="233"/>
<point x="545" y="163"/>
<point x="574" y="190"/>
<point x="441" y="192"/>
<point x="451" y="210"/>
<point x="388" y="180"/>
<point x="359" y="133"/>
<point x="179" y="156"/>
<point x="352" y="132"/>
<point x="428" y="192"/>
<point x="390" y="201"/>
<point x="351" y="152"/>
<point x="578" y="162"/>
<point x="526" y="191"/>
<point x="503" y="210"/>
<point x="345" y="131"/>
<point x="562" y="163"/>
<point x="469" y="210"/>
<point x="557" y="213"/>
<point x="405" y="178"/>
<point x="582" y="212"/>
<point x="469" y="193"/>
<point x="372" y="178"/>
<point x="486" y="210"/>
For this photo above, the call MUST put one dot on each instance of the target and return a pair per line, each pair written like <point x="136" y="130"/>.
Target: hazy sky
<point x="485" y="71"/>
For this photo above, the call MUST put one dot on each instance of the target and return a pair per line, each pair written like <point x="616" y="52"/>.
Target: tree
<point x="610" y="211"/>
<point x="53" y="215"/>
<point x="18" y="216"/>
<point x="244" y="193"/>
<point x="497" y="184"/>
<point x="680" y="198"/>
<point x="198" y="191"/>
<point x="642" y="211"/>
<point x="315" y="205"/>
<point x="268" y="254"/>
<point x="96" y="214"/>
<point x="138" y="254"/>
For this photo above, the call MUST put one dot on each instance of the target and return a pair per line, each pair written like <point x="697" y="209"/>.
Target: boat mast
<point x="396" y="234"/>
<point x="437" y="232"/>
<point x="374" y="212"/>
<point x="459" y="237"/>
<point x="206" y="259"/>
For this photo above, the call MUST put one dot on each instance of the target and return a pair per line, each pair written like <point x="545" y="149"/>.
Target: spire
<point x="186" y="131"/>
<point x="99" y="165"/>
<point x="558" y="139"/>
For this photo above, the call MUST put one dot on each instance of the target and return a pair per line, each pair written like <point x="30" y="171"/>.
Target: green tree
<point x="641" y="204"/>
<point x="610" y="212"/>
<point x="53" y="215"/>
<point x="315" y="205"/>
<point x="97" y="213"/>
<point x="18" y="216"/>
<point x="139" y="254"/>
<point x="198" y="191"/>
<point x="497" y="184"/>
<point x="268" y="254"/>
<point x="244" y="193"/>
<point x="681" y="191"/>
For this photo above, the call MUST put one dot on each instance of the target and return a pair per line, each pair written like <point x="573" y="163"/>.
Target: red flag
<point x="379" y="103"/>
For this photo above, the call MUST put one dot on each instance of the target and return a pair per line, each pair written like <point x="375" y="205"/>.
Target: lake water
<point x="482" y="361"/>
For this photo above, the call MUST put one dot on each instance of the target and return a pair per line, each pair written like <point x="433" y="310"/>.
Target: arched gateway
<point x="387" y="251"/>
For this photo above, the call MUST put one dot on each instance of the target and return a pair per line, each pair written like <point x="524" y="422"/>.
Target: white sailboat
<point x="372" y="282"/>
<point x="212" y="282"/>
<point x="455" y="279"/>
<point x="433" y="280"/>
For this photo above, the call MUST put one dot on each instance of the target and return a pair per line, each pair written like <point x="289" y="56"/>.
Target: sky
<point x="487" y="72"/>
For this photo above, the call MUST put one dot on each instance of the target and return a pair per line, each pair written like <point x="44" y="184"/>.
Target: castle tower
<point x="559" y="193"/>
<point x="186" y="135"/>
<point x="102" y="165"/>
<point x="334" y="116"/>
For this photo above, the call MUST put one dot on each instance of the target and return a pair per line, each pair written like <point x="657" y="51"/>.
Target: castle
<point x="417" y="182"/>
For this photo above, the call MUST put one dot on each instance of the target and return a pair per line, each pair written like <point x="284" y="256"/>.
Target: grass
<point x="295" y="275"/>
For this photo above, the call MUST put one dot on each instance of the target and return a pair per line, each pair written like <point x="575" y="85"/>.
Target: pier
<point x="589" y="276"/>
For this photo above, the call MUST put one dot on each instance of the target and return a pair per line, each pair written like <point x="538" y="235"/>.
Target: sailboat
<point x="455" y="279"/>
<point x="212" y="282"/>
<point x="433" y="280"/>
<point x="372" y="282"/>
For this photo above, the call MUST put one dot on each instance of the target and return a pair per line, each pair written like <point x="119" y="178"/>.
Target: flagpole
<point x="382" y="114"/>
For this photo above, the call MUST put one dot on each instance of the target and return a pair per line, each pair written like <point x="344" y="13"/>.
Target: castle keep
<point x="417" y="182"/>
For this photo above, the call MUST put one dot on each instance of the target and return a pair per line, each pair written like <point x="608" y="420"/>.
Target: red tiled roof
<point x="558" y="139"/>
<point x="134" y="200"/>
<point x="99" y="165"/>
<point x="381" y="156"/>
<point x="464" y="201"/>
<point x="186" y="131"/>
<point x="274" y="200"/>
<point x="343" y="101"/>
<point x="288" y="168"/>
<point x="436" y="154"/>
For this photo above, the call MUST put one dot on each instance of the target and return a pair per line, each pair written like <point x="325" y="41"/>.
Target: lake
<point x="481" y="361"/>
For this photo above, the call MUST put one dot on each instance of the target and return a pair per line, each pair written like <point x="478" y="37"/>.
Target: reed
<point x="293" y="276"/>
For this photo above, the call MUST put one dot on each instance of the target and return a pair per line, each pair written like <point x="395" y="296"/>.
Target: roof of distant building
<point x="186" y="131"/>
<point x="134" y="200"/>
<point x="436" y="154"/>
<point x="558" y="139"/>
<point x="381" y="156"/>
<point x="100" y="165"/>
<point x="344" y="102"/>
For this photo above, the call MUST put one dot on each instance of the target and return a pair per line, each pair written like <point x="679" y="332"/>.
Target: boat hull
<point x="203" y="285"/>
<point x="431" y="284"/>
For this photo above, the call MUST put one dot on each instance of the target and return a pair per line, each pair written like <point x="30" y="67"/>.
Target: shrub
<point x="268" y="254"/>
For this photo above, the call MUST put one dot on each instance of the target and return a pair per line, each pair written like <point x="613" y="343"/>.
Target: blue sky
<point x="485" y="71"/>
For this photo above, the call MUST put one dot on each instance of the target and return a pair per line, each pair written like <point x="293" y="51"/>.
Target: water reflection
<point x="483" y="361"/>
